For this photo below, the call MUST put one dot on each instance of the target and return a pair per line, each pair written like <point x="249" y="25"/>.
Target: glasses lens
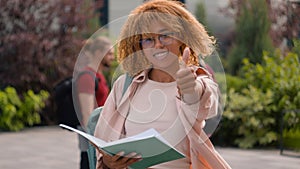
<point x="166" y="38"/>
<point x="147" y="43"/>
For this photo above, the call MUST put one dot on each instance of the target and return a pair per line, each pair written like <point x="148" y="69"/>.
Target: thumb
<point x="186" y="55"/>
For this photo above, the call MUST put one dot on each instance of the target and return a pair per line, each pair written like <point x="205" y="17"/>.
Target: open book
<point x="153" y="148"/>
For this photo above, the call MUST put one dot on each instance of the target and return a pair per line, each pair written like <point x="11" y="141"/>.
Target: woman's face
<point x="160" y="47"/>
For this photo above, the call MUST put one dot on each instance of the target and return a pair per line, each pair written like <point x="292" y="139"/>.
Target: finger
<point x="189" y="78"/>
<point x="188" y="90"/>
<point x="186" y="55"/>
<point x="183" y="72"/>
<point x="126" y="160"/>
<point x="118" y="156"/>
<point x="185" y="58"/>
<point x="131" y="158"/>
<point x="187" y="86"/>
<point x="185" y="75"/>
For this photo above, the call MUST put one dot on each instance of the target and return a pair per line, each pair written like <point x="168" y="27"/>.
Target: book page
<point x="98" y="142"/>
<point x="146" y="134"/>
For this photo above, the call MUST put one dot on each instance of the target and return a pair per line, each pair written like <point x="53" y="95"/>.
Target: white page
<point x="146" y="134"/>
<point x="100" y="143"/>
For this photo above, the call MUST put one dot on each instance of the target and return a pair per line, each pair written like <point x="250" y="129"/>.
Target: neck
<point x="160" y="76"/>
<point x="164" y="75"/>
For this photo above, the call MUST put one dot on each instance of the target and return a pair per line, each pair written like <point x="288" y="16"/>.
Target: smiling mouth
<point x="161" y="55"/>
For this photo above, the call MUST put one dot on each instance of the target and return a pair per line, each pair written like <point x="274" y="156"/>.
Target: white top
<point x="163" y="117"/>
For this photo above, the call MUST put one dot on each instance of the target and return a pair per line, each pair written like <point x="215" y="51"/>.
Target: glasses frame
<point x="163" y="38"/>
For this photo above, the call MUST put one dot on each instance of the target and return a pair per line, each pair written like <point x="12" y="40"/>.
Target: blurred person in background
<point x="91" y="85"/>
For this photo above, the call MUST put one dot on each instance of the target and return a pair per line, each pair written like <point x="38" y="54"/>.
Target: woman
<point x="158" y="47"/>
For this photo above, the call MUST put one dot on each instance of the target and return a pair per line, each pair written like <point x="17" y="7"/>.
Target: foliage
<point x="291" y="139"/>
<point x="235" y="82"/>
<point x="284" y="17"/>
<point x="285" y="20"/>
<point x="251" y="111"/>
<point x="17" y="113"/>
<point x="252" y="35"/>
<point x="296" y="48"/>
<point x="252" y="114"/>
<point x="40" y="40"/>
<point x="280" y="75"/>
<point x="200" y="14"/>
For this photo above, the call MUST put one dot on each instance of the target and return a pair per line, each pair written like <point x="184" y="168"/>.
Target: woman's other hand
<point x="120" y="160"/>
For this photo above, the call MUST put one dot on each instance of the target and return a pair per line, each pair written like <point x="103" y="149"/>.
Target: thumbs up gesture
<point x="189" y="89"/>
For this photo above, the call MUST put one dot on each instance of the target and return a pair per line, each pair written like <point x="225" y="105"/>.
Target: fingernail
<point x="121" y="153"/>
<point x="133" y="154"/>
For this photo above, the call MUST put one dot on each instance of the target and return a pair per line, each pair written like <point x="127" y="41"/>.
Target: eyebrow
<point x="163" y="30"/>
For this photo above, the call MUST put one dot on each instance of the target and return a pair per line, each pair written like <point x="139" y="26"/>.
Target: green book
<point x="153" y="148"/>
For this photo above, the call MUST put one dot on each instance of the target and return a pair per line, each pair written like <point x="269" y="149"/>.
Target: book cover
<point x="153" y="148"/>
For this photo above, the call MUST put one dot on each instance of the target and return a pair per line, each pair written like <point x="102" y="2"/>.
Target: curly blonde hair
<point x="175" y="17"/>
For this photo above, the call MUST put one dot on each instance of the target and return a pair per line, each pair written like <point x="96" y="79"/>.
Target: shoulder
<point x="125" y="80"/>
<point x="119" y="83"/>
<point x="87" y="73"/>
<point x="85" y="78"/>
<point x="120" y="80"/>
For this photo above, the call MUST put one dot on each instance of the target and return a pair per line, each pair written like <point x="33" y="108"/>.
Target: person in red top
<point x="91" y="85"/>
<point x="87" y="88"/>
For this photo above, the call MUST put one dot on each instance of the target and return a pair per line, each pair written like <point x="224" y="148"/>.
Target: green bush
<point x="235" y="82"/>
<point x="251" y="113"/>
<point x="281" y="75"/>
<point x="256" y="99"/>
<point x="291" y="139"/>
<point x="17" y="113"/>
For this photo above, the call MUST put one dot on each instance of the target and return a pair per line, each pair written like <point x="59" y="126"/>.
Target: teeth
<point x="161" y="55"/>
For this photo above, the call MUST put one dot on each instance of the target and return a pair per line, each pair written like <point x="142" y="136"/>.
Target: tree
<point x="200" y="13"/>
<point x="40" y="40"/>
<point x="252" y="34"/>
<point x="284" y="17"/>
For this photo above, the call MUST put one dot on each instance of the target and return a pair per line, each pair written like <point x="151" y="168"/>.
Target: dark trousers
<point x="84" y="161"/>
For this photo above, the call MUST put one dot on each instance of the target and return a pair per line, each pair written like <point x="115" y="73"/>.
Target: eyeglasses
<point x="165" y="39"/>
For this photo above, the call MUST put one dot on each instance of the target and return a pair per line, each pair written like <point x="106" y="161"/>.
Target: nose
<point x="158" y="44"/>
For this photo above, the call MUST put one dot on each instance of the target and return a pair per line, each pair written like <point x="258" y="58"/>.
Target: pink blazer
<point x="110" y="125"/>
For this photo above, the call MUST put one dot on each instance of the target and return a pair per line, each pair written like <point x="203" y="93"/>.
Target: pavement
<point x="51" y="147"/>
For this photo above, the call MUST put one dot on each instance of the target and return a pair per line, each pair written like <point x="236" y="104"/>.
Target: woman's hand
<point x="189" y="89"/>
<point x="120" y="160"/>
